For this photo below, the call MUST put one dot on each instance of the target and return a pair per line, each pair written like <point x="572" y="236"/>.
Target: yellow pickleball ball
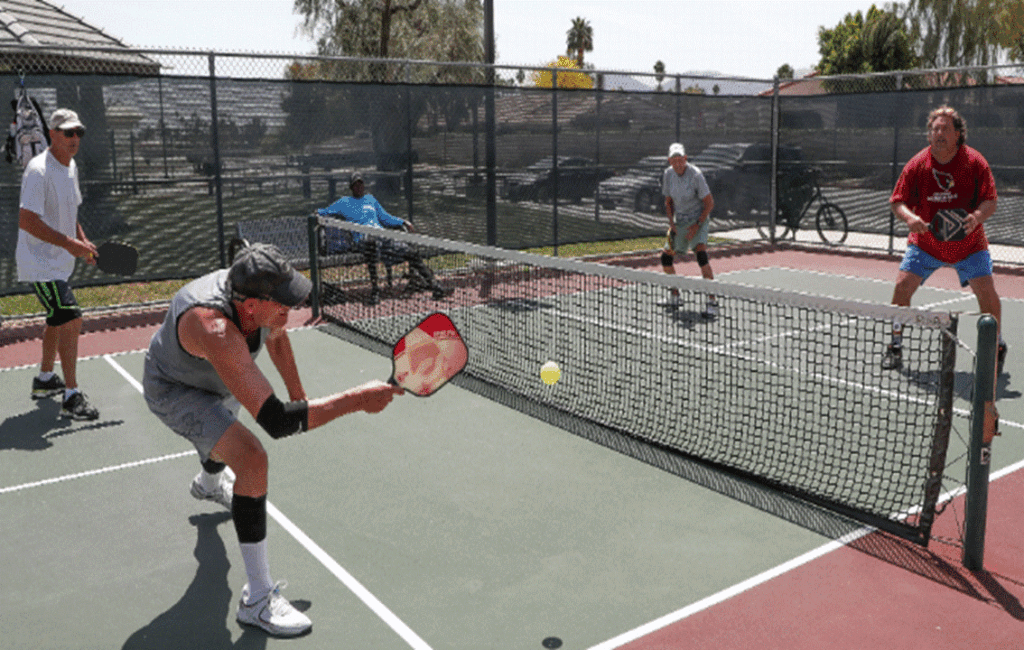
<point x="550" y="373"/>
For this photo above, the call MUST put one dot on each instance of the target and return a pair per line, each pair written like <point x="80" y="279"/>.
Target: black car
<point x="739" y="175"/>
<point x="638" y="188"/>
<point x="577" y="177"/>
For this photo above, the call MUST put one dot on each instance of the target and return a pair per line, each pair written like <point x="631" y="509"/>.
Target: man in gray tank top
<point x="200" y="370"/>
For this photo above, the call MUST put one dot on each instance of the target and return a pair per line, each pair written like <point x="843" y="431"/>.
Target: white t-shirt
<point x="687" y="192"/>
<point x="50" y="190"/>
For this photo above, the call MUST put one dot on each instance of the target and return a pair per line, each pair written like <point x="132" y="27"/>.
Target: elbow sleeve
<point x="280" y="419"/>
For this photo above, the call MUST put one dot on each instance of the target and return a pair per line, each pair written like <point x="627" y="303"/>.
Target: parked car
<point x="638" y="188"/>
<point x="577" y="177"/>
<point x="739" y="175"/>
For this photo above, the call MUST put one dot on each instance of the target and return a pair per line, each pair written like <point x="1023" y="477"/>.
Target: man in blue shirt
<point x="364" y="209"/>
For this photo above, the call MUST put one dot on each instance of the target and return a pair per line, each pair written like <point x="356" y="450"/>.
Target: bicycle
<point x="796" y="195"/>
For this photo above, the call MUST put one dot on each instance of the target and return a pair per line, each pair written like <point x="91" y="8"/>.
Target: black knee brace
<point x="666" y="259"/>
<point x="702" y="258"/>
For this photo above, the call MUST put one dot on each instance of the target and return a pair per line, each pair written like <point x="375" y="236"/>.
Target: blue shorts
<point x="921" y="264"/>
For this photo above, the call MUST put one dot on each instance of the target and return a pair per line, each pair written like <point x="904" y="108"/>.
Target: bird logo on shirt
<point x="943" y="179"/>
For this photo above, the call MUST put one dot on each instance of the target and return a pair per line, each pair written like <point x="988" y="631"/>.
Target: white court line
<point x="361" y="592"/>
<point x="761" y="578"/>
<point x="95" y="472"/>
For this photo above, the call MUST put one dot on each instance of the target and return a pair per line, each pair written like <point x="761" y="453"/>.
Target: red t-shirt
<point x="927" y="187"/>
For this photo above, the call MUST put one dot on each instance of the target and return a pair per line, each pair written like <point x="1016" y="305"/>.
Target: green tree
<point x="659" y="72"/>
<point x="785" y="71"/>
<point x="1011" y="29"/>
<point x="957" y="33"/>
<point x="579" y="39"/>
<point x="434" y="30"/>
<point x="860" y="44"/>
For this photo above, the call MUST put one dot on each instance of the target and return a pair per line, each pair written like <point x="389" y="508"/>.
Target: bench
<point x="291" y="236"/>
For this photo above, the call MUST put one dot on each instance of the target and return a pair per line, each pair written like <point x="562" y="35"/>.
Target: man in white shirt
<point x="688" y="204"/>
<point x="49" y="239"/>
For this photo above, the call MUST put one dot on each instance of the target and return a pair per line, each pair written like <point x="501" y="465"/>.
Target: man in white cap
<point x="688" y="203"/>
<point x="49" y="239"/>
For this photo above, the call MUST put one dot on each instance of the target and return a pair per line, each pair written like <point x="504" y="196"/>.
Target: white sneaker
<point x="711" y="310"/>
<point x="224" y="492"/>
<point x="273" y="613"/>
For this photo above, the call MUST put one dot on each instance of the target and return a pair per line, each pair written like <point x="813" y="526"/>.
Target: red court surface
<point x="878" y="592"/>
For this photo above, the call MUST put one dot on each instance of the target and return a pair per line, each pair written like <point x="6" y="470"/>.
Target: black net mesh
<point x="783" y="388"/>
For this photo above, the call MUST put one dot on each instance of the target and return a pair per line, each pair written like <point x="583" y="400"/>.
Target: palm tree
<point x="579" y="39"/>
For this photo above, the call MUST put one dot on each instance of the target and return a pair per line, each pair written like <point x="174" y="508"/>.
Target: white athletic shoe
<point x="222" y="494"/>
<point x="273" y="613"/>
<point x="711" y="310"/>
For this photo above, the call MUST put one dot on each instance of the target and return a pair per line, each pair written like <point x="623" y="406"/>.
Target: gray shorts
<point x="199" y="416"/>
<point x="680" y="244"/>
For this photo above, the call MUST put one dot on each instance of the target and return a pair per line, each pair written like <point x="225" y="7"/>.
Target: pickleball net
<point x="781" y="388"/>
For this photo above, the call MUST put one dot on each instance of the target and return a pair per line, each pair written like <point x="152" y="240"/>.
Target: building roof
<point x="37" y="36"/>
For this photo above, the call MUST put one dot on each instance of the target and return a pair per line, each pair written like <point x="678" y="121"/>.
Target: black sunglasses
<point x="80" y="132"/>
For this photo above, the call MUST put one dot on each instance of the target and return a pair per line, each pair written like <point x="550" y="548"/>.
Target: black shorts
<point x="58" y="301"/>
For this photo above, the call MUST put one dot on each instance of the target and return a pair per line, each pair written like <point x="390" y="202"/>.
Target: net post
<point x="312" y="229"/>
<point x="984" y="419"/>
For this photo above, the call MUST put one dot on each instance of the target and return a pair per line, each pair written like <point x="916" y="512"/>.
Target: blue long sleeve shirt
<point x="365" y="210"/>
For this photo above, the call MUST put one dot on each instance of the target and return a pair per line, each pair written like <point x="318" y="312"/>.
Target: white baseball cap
<point x="65" y="118"/>
<point x="676" y="150"/>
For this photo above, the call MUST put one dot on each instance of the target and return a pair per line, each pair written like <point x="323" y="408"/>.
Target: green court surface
<point x="446" y="522"/>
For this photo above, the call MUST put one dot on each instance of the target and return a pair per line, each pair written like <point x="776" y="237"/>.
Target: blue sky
<point x="750" y="38"/>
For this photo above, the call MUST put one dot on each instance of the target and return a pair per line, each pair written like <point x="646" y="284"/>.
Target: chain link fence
<point x="182" y="145"/>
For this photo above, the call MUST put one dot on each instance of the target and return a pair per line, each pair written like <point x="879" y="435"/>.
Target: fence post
<point x="597" y="146"/>
<point x="984" y="425"/>
<point x="408" y="143"/>
<point x="554" y="158"/>
<point x="773" y="184"/>
<point x="313" y="230"/>
<point x="679" y="108"/>
<point x="215" y="144"/>
<point x="895" y="171"/>
<point x="490" y="144"/>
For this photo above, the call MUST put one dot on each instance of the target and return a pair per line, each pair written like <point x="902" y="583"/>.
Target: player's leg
<point x="917" y="266"/>
<point x="371" y="255"/>
<point x="699" y="244"/>
<point x="668" y="261"/>
<point x="210" y="423"/>
<point x="47" y="383"/>
<point x="67" y="350"/>
<point x="261" y="603"/>
<point x="976" y="271"/>
<point x="64" y="317"/>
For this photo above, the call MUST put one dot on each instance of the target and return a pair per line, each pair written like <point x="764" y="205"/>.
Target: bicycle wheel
<point x="831" y="223"/>
<point x="782" y="230"/>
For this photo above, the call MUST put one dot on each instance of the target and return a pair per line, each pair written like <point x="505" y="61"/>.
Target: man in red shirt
<point x="944" y="195"/>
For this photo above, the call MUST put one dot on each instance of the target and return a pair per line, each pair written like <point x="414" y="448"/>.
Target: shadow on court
<point x="942" y="565"/>
<point x="35" y="430"/>
<point x="199" y="619"/>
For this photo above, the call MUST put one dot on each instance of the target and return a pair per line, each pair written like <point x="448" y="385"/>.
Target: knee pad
<point x="702" y="258"/>
<point x="666" y="259"/>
